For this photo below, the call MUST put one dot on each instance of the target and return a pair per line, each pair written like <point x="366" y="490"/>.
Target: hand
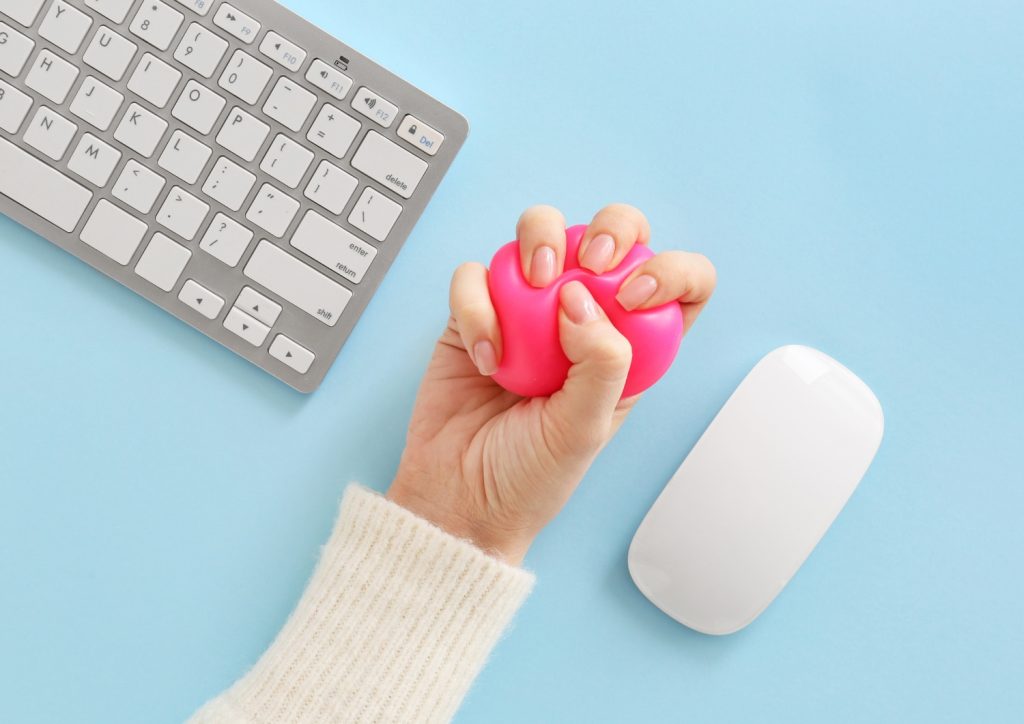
<point x="495" y="468"/>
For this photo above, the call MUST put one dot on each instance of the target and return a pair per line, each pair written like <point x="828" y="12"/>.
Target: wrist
<point x="508" y="546"/>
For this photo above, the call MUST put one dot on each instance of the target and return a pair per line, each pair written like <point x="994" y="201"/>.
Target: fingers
<point x="670" y="276"/>
<point x="475" y="318"/>
<point x="541" y="234"/>
<point x="583" y="412"/>
<point x="610" y="236"/>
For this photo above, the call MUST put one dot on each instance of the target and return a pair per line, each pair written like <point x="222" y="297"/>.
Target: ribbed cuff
<point x="395" y="624"/>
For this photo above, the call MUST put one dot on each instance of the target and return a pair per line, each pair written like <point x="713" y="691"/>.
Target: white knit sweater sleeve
<point x="397" y="621"/>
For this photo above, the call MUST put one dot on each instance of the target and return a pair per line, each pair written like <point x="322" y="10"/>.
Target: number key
<point x="245" y="77"/>
<point x="156" y="23"/>
<point x="201" y="50"/>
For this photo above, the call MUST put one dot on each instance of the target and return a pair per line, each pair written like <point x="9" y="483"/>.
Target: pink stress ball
<point x="533" y="363"/>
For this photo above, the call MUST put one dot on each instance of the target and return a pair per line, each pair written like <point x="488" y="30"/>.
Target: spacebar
<point x="303" y="286"/>
<point x="43" y="191"/>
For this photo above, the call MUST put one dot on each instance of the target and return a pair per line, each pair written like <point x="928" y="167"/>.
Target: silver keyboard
<point x="228" y="161"/>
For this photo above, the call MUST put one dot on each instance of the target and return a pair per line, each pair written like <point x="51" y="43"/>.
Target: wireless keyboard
<point x="228" y="161"/>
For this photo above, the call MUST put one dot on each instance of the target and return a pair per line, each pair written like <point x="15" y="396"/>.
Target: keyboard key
<point x="182" y="213"/>
<point x="185" y="157"/>
<point x="245" y="77"/>
<point x="251" y="330"/>
<point x="229" y="184"/>
<point x="292" y="354"/>
<point x="417" y="133"/>
<point x="375" y="214"/>
<point x="333" y="131"/>
<point x="14" y="106"/>
<point x="140" y="130"/>
<point x="110" y="53"/>
<point x="113" y="232"/>
<point x="65" y="27"/>
<point x="51" y="76"/>
<point x="331" y="187"/>
<point x="272" y="210"/>
<point x="199" y="107"/>
<point x="329" y="79"/>
<point x="243" y="134"/>
<point x="15" y="49"/>
<point x="226" y="240"/>
<point x="282" y="51"/>
<point x="41" y="189"/>
<point x="50" y="134"/>
<point x="237" y="23"/>
<point x="201" y="7"/>
<point x="96" y="103"/>
<point x="201" y="50"/>
<point x="162" y="262"/>
<point x="200" y="299"/>
<point x="333" y="247"/>
<point x="297" y="283"/>
<point x="391" y="166"/>
<point x="258" y="306"/>
<point x="116" y="10"/>
<point x="374" y="107"/>
<point x="94" y="160"/>
<point x="289" y="104"/>
<point x="138" y="187"/>
<point x="287" y="161"/>
<point x="156" y="23"/>
<point x="154" y="80"/>
<point x="22" y="11"/>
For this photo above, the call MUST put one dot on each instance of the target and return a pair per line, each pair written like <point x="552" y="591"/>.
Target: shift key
<point x="391" y="166"/>
<point x="303" y="286"/>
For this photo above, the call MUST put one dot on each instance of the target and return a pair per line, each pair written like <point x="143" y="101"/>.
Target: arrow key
<point x="201" y="299"/>
<point x="292" y="354"/>
<point x="258" y="306"/>
<point x="251" y="330"/>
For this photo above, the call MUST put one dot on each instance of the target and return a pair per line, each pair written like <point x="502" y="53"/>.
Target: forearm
<point x="395" y="625"/>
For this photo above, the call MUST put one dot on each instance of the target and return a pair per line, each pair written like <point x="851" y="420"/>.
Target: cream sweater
<point x="397" y="621"/>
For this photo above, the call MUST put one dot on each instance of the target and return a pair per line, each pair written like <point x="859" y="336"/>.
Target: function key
<point x="283" y="51"/>
<point x="328" y="79"/>
<point x="374" y="107"/>
<point x="201" y="7"/>
<point x="237" y="23"/>
<point x="417" y="133"/>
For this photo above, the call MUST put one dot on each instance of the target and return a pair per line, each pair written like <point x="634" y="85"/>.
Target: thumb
<point x="581" y="413"/>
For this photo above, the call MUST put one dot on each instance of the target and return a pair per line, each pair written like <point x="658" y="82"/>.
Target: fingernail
<point x="485" y="357"/>
<point x="578" y="303"/>
<point x="637" y="291"/>
<point x="599" y="253"/>
<point x="542" y="267"/>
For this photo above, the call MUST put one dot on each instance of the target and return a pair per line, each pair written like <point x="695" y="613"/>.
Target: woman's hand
<point x="495" y="468"/>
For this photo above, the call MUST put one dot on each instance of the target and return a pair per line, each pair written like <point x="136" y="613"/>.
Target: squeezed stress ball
<point x="533" y="363"/>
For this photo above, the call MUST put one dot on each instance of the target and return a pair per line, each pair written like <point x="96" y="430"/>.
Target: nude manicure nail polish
<point x="599" y="253"/>
<point x="637" y="291"/>
<point x="542" y="267"/>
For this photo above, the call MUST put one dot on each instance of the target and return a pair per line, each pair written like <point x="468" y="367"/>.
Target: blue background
<point x="855" y="171"/>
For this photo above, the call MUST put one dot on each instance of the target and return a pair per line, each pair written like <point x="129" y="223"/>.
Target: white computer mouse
<point x="758" y="491"/>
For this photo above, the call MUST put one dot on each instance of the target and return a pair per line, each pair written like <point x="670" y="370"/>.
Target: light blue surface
<point x="854" y="170"/>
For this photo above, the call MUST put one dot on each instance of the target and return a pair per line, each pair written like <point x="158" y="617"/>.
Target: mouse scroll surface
<point x="758" y="491"/>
